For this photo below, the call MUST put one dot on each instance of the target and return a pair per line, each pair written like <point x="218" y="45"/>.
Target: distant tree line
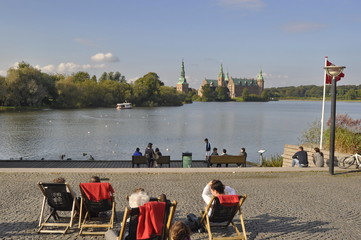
<point x="344" y="92"/>
<point x="28" y="86"/>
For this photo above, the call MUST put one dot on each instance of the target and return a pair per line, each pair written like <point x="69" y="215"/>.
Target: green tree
<point x="169" y="96"/>
<point x="119" y="77"/>
<point x="208" y="94"/>
<point x="115" y="92"/>
<point x="25" y="86"/>
<point x="103" y="77"/>
<point x="2" y="90"/>
<point x="351" y="94"/>
<point x="69" y="94"/>
<point x="147" y="90"/>
<point x="265" y="95"/>
<point x="222" y="94"/>
<point x="245" y="94"/>
<point x="90" y="94"/>
<point x="81" y="77"/>
<point x="94" y="78"/>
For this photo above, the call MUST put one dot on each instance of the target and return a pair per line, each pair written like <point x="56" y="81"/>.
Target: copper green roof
<point x="259" y="76"/>
<point x="182" y="79"/>
<point x="221" y="74"/>
<point x="244" y="81"/>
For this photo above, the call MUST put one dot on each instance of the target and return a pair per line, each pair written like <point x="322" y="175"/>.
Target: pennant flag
<point x="329" y="78"/>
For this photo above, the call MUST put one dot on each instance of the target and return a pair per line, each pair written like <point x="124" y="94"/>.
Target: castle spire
<point x="182" y="78"/>
<point x="221" y="74"/>
<point x="259" y="76"/>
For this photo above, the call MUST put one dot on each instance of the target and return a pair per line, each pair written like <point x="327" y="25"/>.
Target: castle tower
<point x="221" y="78"/>
<point x="182" y="85"/>
<point x="260" y="82"/>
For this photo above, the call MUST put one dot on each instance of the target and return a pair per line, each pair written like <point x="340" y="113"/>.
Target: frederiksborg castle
<point x="235" y="85"/>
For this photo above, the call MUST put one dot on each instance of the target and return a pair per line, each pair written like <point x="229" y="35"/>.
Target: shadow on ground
<point x="266" y="226"/>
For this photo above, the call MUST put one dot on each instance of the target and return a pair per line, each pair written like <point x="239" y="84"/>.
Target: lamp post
<point x="333" y="71"/>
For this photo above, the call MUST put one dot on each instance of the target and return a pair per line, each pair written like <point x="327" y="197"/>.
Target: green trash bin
<point x="187" y="159"/>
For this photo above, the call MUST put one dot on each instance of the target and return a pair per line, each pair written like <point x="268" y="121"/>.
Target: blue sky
<point x="288" y="39"/>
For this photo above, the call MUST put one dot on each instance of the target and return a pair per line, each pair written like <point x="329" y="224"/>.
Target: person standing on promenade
<point x="137" y="152"/>
<point x="318" y="158"/>
<point x="243" y="153"/>
<point x="208" y="149"/>
<point x="300" y="158"/>
<point x="149" y="154"/>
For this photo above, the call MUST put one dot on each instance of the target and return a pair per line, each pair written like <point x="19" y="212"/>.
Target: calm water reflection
<point x="111" y="134"/>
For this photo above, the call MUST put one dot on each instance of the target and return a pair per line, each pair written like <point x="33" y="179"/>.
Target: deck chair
<point x="59" y="198"/>
<point x="96" y="199"/>
<point x="143" y="215"/>
<point x="220" y="213"/>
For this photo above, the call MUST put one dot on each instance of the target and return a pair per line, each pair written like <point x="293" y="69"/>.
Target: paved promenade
<point x="282" y="203"/>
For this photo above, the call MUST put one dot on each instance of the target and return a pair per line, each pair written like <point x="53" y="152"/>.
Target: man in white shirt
<point x="216" y="188"/>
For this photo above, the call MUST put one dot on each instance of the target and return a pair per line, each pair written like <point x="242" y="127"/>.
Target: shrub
<point x="347" y="134"/>
<point x="275" y="161"/>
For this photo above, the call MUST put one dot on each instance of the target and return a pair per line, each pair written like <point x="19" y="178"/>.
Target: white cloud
<point x="68" y="67"/>
<point x="274" y="76"/>
<point x="302" y="27"/>
<point x="48" y="68"/>
<point x="2" y="73"/>
<point x="248" y="4"/>
<point x="104" y="57"/>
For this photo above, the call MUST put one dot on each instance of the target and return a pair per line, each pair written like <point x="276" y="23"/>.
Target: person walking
<point x="149" y="154"/>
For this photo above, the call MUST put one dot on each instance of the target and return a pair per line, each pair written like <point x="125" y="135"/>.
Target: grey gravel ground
<point x="280" y="205"/>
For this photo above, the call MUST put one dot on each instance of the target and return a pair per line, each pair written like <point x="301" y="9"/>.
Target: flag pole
<point x="323" y="104"/>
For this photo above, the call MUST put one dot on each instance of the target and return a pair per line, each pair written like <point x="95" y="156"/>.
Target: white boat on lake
<point x="125" y="105"/>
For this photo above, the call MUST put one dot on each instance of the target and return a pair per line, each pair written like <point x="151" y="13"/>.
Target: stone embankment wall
<point x="289" y="150"/>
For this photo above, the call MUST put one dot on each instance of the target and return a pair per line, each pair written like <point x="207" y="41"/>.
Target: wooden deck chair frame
<point x="85" y="221"/>
<point x="206" y="221"/>
<point x="167" y="221"/>
<point x="44" y="187"/>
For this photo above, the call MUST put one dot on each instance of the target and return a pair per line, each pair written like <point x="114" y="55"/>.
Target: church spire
<point x="182" y="78"/>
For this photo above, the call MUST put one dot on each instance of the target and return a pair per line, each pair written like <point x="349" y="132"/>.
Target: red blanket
<point x="228" y="200"/>
<point x="97" y="191"/>
<point x="150" y="220"/>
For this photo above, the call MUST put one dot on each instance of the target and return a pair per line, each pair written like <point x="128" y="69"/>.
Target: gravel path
<point x="280" y="205"/>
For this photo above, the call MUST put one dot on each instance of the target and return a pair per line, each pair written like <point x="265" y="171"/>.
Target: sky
<point x="287" y="39"/>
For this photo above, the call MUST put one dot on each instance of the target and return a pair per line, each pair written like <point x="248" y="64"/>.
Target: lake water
<point x="110" y="134"/>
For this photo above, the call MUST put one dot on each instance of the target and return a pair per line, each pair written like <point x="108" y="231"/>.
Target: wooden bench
<point x="226" y="159"/>
<point x="143" y="160"/>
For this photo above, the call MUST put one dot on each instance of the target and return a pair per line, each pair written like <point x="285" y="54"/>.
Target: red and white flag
<point x="328" y="78"/>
